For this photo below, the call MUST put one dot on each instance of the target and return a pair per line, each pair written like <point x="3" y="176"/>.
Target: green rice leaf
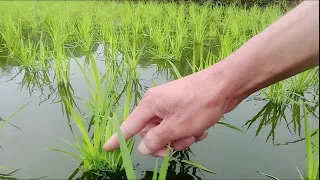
<point x="268" y="175"/>
<point x="198" y="166"/>
<point x="124" y="150"/>
<point x="308" y="143"/>
<point x="164" y="166"/>
<point x="65" y="152"/>
<point x="301" y="176"/>
<point x="316" y="156"/>
<point x="16" y="112"/>
<point x="230" y="126"/>
<point x="155" y="171"/>
<point x="175" y="70"/>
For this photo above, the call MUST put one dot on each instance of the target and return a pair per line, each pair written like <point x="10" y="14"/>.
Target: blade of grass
<point x="268" y="175"/>
<point x="198" y="166"/>
<point x="231" y="126"/>
<point x="155" y="171"/>
<point x="124" y="150"/>
<point x="16" y="112"/>
<point x="164" y="166"/>
<point x="316" y="156"/>
<point x="65" y="152"/>
<point x="301" y="176"/>
<point x="176" y="71"/>
<point x="308" y="143"/>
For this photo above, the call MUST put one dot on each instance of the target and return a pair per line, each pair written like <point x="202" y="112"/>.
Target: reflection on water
<point x="9" y="175"/>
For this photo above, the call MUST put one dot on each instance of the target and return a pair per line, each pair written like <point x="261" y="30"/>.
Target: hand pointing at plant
<point x="179" y="112"/>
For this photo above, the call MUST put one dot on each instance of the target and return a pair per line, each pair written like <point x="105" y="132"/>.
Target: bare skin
<point x="180" y="112"/>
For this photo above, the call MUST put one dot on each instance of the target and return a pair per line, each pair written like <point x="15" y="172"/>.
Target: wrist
<point x="237" y="75"/>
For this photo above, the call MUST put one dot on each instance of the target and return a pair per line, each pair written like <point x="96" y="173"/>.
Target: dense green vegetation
<point x="42" y="39"/>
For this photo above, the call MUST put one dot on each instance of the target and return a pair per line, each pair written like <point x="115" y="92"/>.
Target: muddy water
<point x="230" y="153"/>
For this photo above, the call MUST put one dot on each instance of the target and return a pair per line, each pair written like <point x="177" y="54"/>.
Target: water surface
<point x="230" y="153"/>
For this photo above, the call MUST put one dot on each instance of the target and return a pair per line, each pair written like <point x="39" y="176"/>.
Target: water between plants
<point x="228" y="152"/>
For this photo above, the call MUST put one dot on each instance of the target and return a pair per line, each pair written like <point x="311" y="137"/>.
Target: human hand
<point x="178" y="112"/>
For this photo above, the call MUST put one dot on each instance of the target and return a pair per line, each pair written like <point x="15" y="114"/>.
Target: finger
<point x="161" y="153"/>
<point x="201" y="137"/>
<point x="155" y="139"/>
<point x="134" y="123"/>
<point x="152" y="123"/>
<point x="183" y="143"/>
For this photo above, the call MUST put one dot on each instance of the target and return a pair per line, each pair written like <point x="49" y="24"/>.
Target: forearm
<point x="287" y="47"/>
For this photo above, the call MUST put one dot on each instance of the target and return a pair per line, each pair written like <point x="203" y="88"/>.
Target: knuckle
<point x="155" y="102"/>
<point x="183" y="144"/>
<point x="150" y="96"/>
<point x="158" y="138"/>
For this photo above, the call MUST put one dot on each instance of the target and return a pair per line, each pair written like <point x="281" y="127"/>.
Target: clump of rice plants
<point x="101" y="106"/>
<point x="11" y="32"/>
<point x="303" y="82"/>
<point x="312" y="150"/>
<point x="279" y="98"/>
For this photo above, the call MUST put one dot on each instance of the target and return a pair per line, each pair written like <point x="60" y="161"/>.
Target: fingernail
<point x="142" y="148"/>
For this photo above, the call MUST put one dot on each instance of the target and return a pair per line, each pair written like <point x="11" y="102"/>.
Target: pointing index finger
<point x="133" y="124"/>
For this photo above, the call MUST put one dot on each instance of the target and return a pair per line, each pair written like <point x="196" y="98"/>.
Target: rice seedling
<point x="312" y="152"/>
<point x="101" y="105"/>
<point x="131" y="53"/>
<point x="5" y="121"/>
<point x="303" y="82"/>
<point x="84" y="30"/>
<point x="26" y="55"/>
<point x="312" y="157"/>
<point x="110" y="37"/>
<point x="178" y="37"/>
<point x="159" y="37"/>
<point x="11" y="32"/>
<point x="272" y="115"/>
<point x="276" y="93"/>
<point x="279" y="98"/>
<point x="198" y="27"/>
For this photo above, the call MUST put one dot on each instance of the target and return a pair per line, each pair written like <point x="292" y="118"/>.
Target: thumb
<point x="156" y="139"/>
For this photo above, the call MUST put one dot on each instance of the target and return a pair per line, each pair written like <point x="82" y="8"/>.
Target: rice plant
<point x="84" y="30"/>
<point x="312" y="171"/>
<point x="302" y="82"/>
<point x="11" y="32"/>
<point x="312" y="151"/>
<point x="272" y="114"/>
<point x="101" y="104"/>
